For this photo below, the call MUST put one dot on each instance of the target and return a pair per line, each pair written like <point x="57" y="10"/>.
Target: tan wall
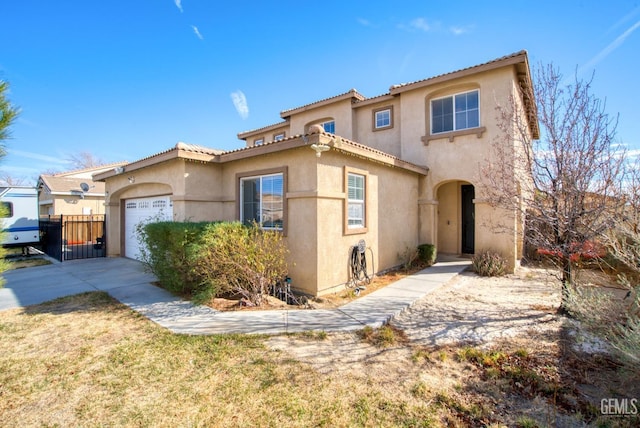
<point x="315" y="207"/>
<point x="453" y="162"/>
<point x="341" y="112"/>
<point x="386" y="140"/>
<point x="71" y="205"/>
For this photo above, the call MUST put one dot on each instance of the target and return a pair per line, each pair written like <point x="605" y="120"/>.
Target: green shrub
<point x="168" y="250"/>
<point x="245" y="260"/>
<point x="427" y="254"/>
<point x="489" y="263"/>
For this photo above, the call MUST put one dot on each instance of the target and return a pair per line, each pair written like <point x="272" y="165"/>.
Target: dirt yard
<point x="486" y="349"/>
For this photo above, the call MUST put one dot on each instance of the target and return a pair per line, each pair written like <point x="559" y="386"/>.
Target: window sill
<point x="453" y="134"/>
<point x="355" y="231"/>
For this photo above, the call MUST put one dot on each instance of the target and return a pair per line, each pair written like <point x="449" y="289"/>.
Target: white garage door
<point x="143" y="210"/>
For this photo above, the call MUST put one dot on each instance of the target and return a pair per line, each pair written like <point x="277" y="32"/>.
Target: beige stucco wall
<point x="340" y="111"/>
<point x="315" y="207"/>
<point x="387" y="140"/>
<point x="70" y="205"/>
<point x="452" y="163"/>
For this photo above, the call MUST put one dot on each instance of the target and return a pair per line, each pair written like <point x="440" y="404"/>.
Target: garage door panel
<point x="143" y="210"/>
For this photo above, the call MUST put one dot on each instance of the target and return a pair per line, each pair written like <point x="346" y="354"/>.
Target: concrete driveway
<point x="29" y="286"/>
<point x="126" y="281"/>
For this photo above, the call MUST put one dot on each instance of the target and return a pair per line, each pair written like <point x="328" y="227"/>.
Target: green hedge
<point x="207" y="259"/>
<point x="169" y="251"/>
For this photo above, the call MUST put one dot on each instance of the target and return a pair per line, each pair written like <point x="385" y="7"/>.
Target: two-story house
<point x="396" y="170"/>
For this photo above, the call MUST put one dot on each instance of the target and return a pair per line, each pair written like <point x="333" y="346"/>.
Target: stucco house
<point x="63" y="194"/>
<point x="395" y="170"/>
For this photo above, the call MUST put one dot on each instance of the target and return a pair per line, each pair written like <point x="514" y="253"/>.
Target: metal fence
<point x="71" y="237"/>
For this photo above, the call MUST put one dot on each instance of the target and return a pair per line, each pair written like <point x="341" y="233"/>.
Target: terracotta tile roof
<point x="395" y="88"/>
<point x="352" y="93"/>
<point x="244" y="134"/>
<point x="90" y="169"/>
<point x="197" y="149"/>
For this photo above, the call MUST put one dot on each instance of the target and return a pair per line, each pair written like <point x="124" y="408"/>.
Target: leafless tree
<point x="84" y="160"/>
<point x="8" y="180"/>
<point x="566" y="185"/>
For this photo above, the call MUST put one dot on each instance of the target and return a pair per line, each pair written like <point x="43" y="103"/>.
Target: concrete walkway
<point x="126" y="281"/>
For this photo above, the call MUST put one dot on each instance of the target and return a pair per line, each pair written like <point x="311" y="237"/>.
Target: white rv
<point x="19" y="216"/>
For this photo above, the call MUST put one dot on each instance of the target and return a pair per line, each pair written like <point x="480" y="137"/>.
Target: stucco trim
<point x="451" y="136"/>
<point x="316" y="194"/>
<point x="391" y="118"/>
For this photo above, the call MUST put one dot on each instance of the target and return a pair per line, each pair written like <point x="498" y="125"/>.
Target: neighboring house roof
<point x="56" y="185"/>
<point x="70" y="182"/>
<point x="203" y="154"/>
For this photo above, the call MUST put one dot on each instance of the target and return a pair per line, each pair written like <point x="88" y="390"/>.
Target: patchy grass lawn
<point x="90" y="361"/>
<point x="87" y="360"/>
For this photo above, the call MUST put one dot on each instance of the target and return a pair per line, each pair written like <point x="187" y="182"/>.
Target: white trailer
<point x="19" y="216"/>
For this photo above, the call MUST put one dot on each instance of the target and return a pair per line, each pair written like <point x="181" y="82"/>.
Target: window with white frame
<point x="455" y="112"/>
<point x="382" y="118"/>
<point x="258" y="141"/>
<point x="278" y="137"/>
<point x="329" y="126"/>
<point x="262" y="201"/>
<point x="356" y="201"/>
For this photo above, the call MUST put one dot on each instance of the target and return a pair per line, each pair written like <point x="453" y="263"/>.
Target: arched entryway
<point x="456" y="217"/>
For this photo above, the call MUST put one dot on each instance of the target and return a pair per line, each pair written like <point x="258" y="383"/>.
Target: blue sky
<point x="127" y="79"/>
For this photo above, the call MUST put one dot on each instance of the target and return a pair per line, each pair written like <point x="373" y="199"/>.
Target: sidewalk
<point x="126" y="281"/>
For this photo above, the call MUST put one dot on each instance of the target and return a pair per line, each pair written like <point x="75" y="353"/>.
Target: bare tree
<point x="84" y="160"/>
<point x="567" y="184"/>
<point x="7" y="179"/>
<point x="624" y="239"/>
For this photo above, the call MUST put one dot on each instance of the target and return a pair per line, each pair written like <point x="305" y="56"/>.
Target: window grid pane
<point x="383" y="118"/>
<point x="460" y="111"/>
<point x="356" y="200"/>
<point x="329" y="127"/>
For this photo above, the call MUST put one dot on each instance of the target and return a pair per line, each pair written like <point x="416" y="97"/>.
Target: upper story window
<point x="329" y="126"/>
<point x="262" y="201"/>
<point x="383" y="118"/>
<point x="455" y="112"/>
<point x="258" y="142"/>
<point x="278" y="137"/>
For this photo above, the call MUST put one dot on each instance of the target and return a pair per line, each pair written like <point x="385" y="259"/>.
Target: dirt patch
<point x="329" y="301"/>
<point x="530" y="370"/>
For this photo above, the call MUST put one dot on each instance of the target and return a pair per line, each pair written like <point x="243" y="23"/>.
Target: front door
<point x="468" y="219"/>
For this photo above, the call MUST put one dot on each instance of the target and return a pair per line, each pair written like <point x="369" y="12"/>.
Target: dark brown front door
<point x="468" y="219"/>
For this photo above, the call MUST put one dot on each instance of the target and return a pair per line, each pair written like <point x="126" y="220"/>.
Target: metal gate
<point x="71" y="237"/>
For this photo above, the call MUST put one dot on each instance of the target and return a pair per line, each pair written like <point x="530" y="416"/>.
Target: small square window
<point x="278" y="137"/>
<point x="329" y="126"/>
<point x="258" y="142"/>
<point x="383" y="118"/>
